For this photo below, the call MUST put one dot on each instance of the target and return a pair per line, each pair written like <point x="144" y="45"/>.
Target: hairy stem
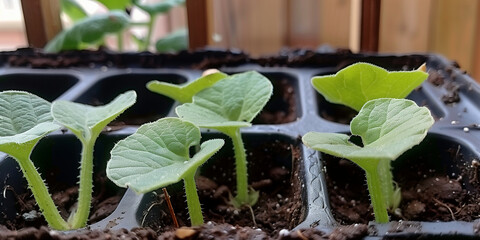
<point x="39" y="189"/>
<point x="85" y="189"/>
<point x="386" y="179"/>
<point x="374" y="183"/>
<point x="193" y="203"/>
<point x="240" y="167"/>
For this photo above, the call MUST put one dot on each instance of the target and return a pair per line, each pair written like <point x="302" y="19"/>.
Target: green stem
<point x="85" y="189"/>
<point x="374" y="183"/>
<point x="240" y="167"/>
<point x="149" y="33"/>
<point x="39" y="190"/>
<point x="120" y="41"/>
<point x="386" y="179"/>
<point x="193" y="203"/>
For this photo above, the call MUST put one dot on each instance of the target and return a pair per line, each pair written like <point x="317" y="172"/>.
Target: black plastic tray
<point x="455" y="123"/>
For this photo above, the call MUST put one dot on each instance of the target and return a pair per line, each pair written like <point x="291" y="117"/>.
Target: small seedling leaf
<point x="24" y="118"/>
<point x="185" y="93"/>
<point x="86" y="121"/>
<point x="157" y="155"/>
<point x="89" y="30"/>
<point x="73" y="10"/>
<point x="117" y="4"/>
<point x="158" y="8"/>
<point x="388" y="127"/>
<point x="232" y="102"/>
<point x="173" y="42"/>
<point x="358" y="83"/>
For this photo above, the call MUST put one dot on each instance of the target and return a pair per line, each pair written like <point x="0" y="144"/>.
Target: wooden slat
<point x="198" y="23"/>
<point x="476" y="52"/>
<point x="333" y="18"/>
<point x="408" y="30"/>
<point x="453" y="30"/>
<point x="257" y="27"/>
<point x="370" y="25"/>
<point x="42" y="20"/>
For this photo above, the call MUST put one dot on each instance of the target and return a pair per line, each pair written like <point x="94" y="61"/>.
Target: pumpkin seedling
<point x="27" y="118"/>
<point x="86" y="123"/>
<point x="227" y="106"/>
<point x="358" y="83"/>
<point x="157" y="155"/>
<point x="185" y="93"/>
<point x="388" y="128"/>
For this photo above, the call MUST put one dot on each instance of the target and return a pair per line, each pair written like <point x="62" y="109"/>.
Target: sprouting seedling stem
<point x="26" y="119"/>
<point x="165" y="161"/>
<point x="193" y="202"/>
<point x="388" y="127"/>
<point x="227" y="106"/>
<point x="242" y="196"/>
<point x="87" y="122"/>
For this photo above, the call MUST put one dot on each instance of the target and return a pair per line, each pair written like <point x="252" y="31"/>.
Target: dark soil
<point x="204" y="232"/>
<point x="427" y="194"/>
<point x="281" y="108"/>
<point x="103" y="204"/>
<point x="279" y="206"/>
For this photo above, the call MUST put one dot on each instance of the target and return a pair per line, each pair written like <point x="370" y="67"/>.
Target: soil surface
<point x="279" y="206"/>
<point x="427" y="194"/>
<point x="282" y="106"/>
<point x="103" y="204"/>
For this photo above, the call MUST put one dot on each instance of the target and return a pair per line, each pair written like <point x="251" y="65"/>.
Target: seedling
<point x="87" y="122"/>
<point x="27" y="118"/>
<point x="358" y="83"/>
<point x="157" y="155"/>
<point x="90" y="30"/>
<point x="388" y="128"/>
<point x="185" y="93"/>
<point x="227" y="106"/>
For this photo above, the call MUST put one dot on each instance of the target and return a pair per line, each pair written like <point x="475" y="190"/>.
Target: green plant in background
<point x="358" y="83"/>
<point x="27" y="118"/>
<point x="91" y="30"/>
<point x="157" y="155"/>
<point x="227" y="106"/>
<point x="387" y="127"/>
<point x="185" y="93"/>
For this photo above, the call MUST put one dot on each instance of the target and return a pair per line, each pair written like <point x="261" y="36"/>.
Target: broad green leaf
<point x="73" y="10"/>
<point x="116" y="4"/>
<point x="88" y="121"/>
<point x="157" y="155"/>
<point x="159" y="7"/>
<point x="356" y="84"/>
<point x="388" y="127"/>
<point x="173" y="42"/>
<point x="24" y="118"/>
<point x="232" y="102"/>
<point x="89" y="30"/>
<point x="185" y="93"/>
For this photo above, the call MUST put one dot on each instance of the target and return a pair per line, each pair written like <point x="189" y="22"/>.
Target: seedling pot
<point x="448" y="153"/>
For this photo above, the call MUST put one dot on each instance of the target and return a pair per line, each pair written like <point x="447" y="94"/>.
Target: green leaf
<point x="85" y="121"/>
<point x="230" y="103"/>
<point x="116" y="4"/>
<point x="73" y="10"/>
<point x="185" y="93"/>
<point x="173" y="42"/>
<point x="89" y="30"/>
<point x="387" y="127"/>
<point x="157" y="155"/>
<point x="356" y="84"/>
<point x="24" y="118"/>
<point x="159" y="7"/>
